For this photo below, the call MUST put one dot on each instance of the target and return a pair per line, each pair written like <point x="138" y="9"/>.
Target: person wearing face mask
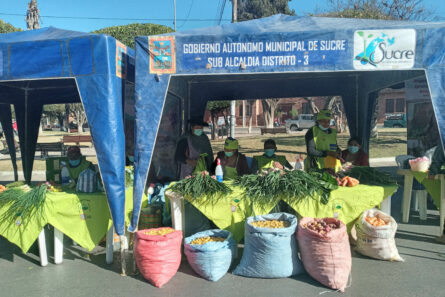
<point x="191" y="146"/>
<point x="76" y="163"/>
<point x="354" y="154"/>
<point x="269" y="159"/>
<point x="234" y="163"/>
<point x="321" y="144"/>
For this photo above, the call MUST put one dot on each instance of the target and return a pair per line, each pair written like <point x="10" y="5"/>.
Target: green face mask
<point x="269" y="152"/>
<point x="197" y="132"/>
<point x="228" y="154"/>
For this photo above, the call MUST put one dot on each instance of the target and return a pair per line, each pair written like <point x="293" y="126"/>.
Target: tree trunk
<point x="314" y="108"/>
<point x="269" y="108"/>
<point x="213" y="116"/>
<point x="250" y="104"/>
<point x="67" y="118"/>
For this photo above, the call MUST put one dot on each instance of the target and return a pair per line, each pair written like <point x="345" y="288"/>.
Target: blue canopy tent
<point x="53" y="66"/>
<point x="277" y="57"/>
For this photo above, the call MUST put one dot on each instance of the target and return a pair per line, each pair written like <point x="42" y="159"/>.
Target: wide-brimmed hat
<point x="324" y="114"/>
<point x="197" y="122"/>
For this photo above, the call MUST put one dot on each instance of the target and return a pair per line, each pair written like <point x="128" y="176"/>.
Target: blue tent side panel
<point x="94" y="67"/>
<point x="149" y="98"/>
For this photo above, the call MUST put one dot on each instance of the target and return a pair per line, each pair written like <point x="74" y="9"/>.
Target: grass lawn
<point x="390" y="142"/>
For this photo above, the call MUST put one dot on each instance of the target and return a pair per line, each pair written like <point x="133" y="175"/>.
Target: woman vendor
<point x="76" y="163"/>
<point x="354" y="154"/>
<point x="234" y="163"/>
<point x="269" y="159"/>
<point x="321" y="144"/>
<point x="191" y="146"/>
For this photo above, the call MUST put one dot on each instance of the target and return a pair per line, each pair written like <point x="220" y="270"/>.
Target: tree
<point x="55" y="111"/>
<point x="79" y="114"/>
<point x="378" y="9"/>
<point x="127" y="33"/>
<point x="256" y="9"/>
<point x="8" y="28"/>
<point x="269" y="110"/>
<point x="216" y="108"/>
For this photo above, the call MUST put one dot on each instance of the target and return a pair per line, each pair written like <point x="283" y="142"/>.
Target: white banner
<point x="384" y="49"/>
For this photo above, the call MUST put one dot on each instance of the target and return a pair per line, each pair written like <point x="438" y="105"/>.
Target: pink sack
<point x="158" y="256"/>
<point x="327" y="258"/>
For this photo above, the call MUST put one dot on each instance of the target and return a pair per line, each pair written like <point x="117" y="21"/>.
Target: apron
<point x="194" y="154"/>
<point x="231" y="172"/>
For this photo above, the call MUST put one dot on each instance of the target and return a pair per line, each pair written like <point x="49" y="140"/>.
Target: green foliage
<point x="378" y="9"/>
<point x="256" y="9"/>
<point x="7" y="27"/>
<point x="127" y="33"/>
<point x="54" y="110"/>
<point x="217" y="105"/>
<point x="293" y="113"/>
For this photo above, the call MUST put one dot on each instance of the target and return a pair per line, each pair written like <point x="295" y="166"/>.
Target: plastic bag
<point x="268" y="252"/>
<point x="158" y="256"/>
<point x="377" y="241"/>
<point x="211" y="260"/>
<point x="327" y="258"/>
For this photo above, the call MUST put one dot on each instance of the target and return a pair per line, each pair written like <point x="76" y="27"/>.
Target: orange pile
<point x="375" y="221"/>
<point x="2" y="188"/>
<point x="348" y="181"/>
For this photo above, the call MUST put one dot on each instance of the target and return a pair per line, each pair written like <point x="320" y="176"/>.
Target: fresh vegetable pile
<point x="200" y="188"/>
<point x="205" y="239"/>
<point x="271" y="224"/>
<point x="375" y="221"/>
<point x="322" y="226"/>
<point x="371" y="176"/>
<point x="2" y="188"/>
<point x="263" y="189"/>
<point x="24" y="202"/>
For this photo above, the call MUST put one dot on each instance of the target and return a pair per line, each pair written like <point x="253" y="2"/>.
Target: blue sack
<point x="211" y="260"/>
<point x="270" y="252"/>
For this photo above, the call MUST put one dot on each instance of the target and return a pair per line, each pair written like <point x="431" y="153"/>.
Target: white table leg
<point x="421" y="196"/>
<point x="110" y="246"/>
<point x="58" y="246"/>
<point x="442" y="204"/>
<point x="178" y="216"/>
<point x="407" y="190"/>
<point x="42" y="249"/>
<point x="385" y="206"/>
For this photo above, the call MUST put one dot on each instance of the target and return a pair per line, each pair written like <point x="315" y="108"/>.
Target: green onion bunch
<point x="371" y="176"/>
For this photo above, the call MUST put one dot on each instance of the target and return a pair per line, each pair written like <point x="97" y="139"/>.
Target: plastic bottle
<point x="219" y="171"/>
<point x="64" y="174"/>
<point x="299" y="162"/>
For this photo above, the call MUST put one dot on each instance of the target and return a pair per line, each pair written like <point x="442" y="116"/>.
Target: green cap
<point x="231" y="144"/>
<point x="324" y="114"/>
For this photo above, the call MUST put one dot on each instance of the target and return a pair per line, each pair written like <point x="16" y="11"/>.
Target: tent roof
<point x="285" y="23"/>
<point x="48" y="33"/>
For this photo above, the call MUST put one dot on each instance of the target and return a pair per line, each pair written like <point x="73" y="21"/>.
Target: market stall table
<point x="435" y="187"/>
<point x="230" y="212"/>
<point x="85" y="218"/>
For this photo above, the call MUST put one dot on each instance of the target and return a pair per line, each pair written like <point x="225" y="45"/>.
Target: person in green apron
<point x="269" y="159"/>
<point x="321" y="144"/>
<point x="233" y="162"/>
<point x="76" y="163"/>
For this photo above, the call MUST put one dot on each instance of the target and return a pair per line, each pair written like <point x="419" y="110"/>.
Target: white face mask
<point x="322" y="128"/>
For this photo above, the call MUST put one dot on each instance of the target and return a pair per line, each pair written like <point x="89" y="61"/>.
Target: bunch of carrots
<point x="348" y="181"/>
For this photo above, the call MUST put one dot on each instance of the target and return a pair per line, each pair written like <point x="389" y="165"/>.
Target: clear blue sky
<point x="83" y="14"/>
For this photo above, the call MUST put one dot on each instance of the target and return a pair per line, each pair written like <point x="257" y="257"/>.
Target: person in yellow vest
<point x="269" y="159"/>
<point x="76" y="163"/>
<point x="321" y="144"/>
<point x="234" y="163"/>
